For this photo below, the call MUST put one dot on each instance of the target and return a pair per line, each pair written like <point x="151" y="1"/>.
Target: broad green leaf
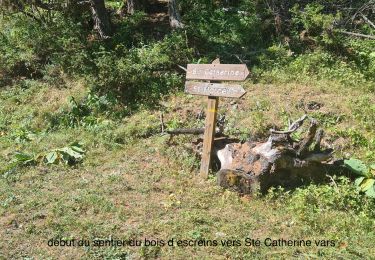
<point x="51" y="157"/>
<point x="358" y="181"/>
<point x="77" y="144"/>
<point x="23" y="157"/>
<point x="371" y="192"/>
<point x="358" y="167"/>
<point x="367" y="184"/>
<point x="71" y="152"/>
<point x="78" y="149"/>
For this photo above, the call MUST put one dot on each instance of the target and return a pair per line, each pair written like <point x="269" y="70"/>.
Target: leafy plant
<point x="366" y="175"/>
<point x="87" y="112"/>
<point x="22" y="135"/>
<point x="24" y="158"/>
<point x="143" y="74"/>
<point x="311" y="202"/>
<point x="68" y="155"/>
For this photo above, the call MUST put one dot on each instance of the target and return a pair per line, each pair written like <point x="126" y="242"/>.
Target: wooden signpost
<point x="214" y="72"/>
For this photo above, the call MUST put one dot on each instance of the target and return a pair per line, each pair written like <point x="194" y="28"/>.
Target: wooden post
<point x="209" y="135"/>
<point x="209" y="132"/>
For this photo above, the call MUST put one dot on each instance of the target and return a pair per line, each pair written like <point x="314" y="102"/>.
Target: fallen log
<point x="190" y="131"/>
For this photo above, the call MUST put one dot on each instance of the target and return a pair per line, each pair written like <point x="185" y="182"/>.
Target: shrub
<point x="87" y="112"/>
<point x="26" y="46"/>
<point x="142" y="74"/>
<point x="340" y="195"/>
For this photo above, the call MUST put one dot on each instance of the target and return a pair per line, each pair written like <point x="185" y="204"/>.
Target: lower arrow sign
<point x="214" y="89"/>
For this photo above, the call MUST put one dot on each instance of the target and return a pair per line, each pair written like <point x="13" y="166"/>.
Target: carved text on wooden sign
<point x="214" y="89"/>
<point x="235" y="72"/>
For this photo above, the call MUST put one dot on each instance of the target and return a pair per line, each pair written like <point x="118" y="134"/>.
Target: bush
<point x="87" y="112"/>
<point x="340" y="195"/>
<point x="142" y="75"/>
<point x="312" y="22"/>
<point x="29" y="49"/>
<point x="312" y="66"/>
<point x="221" y="28"/>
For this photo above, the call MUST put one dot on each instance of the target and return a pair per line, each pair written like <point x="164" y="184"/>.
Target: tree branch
<point x="368" y="20"/>
<point x="293" y="127"/>
<point x="358" y="35"/>
<point x="191" y="131"/>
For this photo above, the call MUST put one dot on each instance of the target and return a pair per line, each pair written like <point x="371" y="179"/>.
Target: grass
<point x="134" y="183"/>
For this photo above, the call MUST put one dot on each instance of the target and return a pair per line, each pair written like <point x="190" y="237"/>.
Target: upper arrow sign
<point x="235" y="72"/>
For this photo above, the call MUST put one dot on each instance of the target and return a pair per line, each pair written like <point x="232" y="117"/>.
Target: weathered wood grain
<point x="209" y="135"/>
<point x="230" y="72"/>
<point x="214" y="89"/>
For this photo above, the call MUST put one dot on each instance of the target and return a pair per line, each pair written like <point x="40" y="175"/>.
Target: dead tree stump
<point x="280" y="161"/>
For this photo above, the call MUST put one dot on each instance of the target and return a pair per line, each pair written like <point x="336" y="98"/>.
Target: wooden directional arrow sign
<point x="214" y="89"/>
<point x="235" y="72"/>
<point x="215" y="72"/>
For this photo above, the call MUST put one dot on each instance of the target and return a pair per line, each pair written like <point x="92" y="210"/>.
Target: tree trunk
<point x="101" y="18"/>
<point x="174" y="15"/>
<point x="136" y="5"/>
<point x="131" y="6"/>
